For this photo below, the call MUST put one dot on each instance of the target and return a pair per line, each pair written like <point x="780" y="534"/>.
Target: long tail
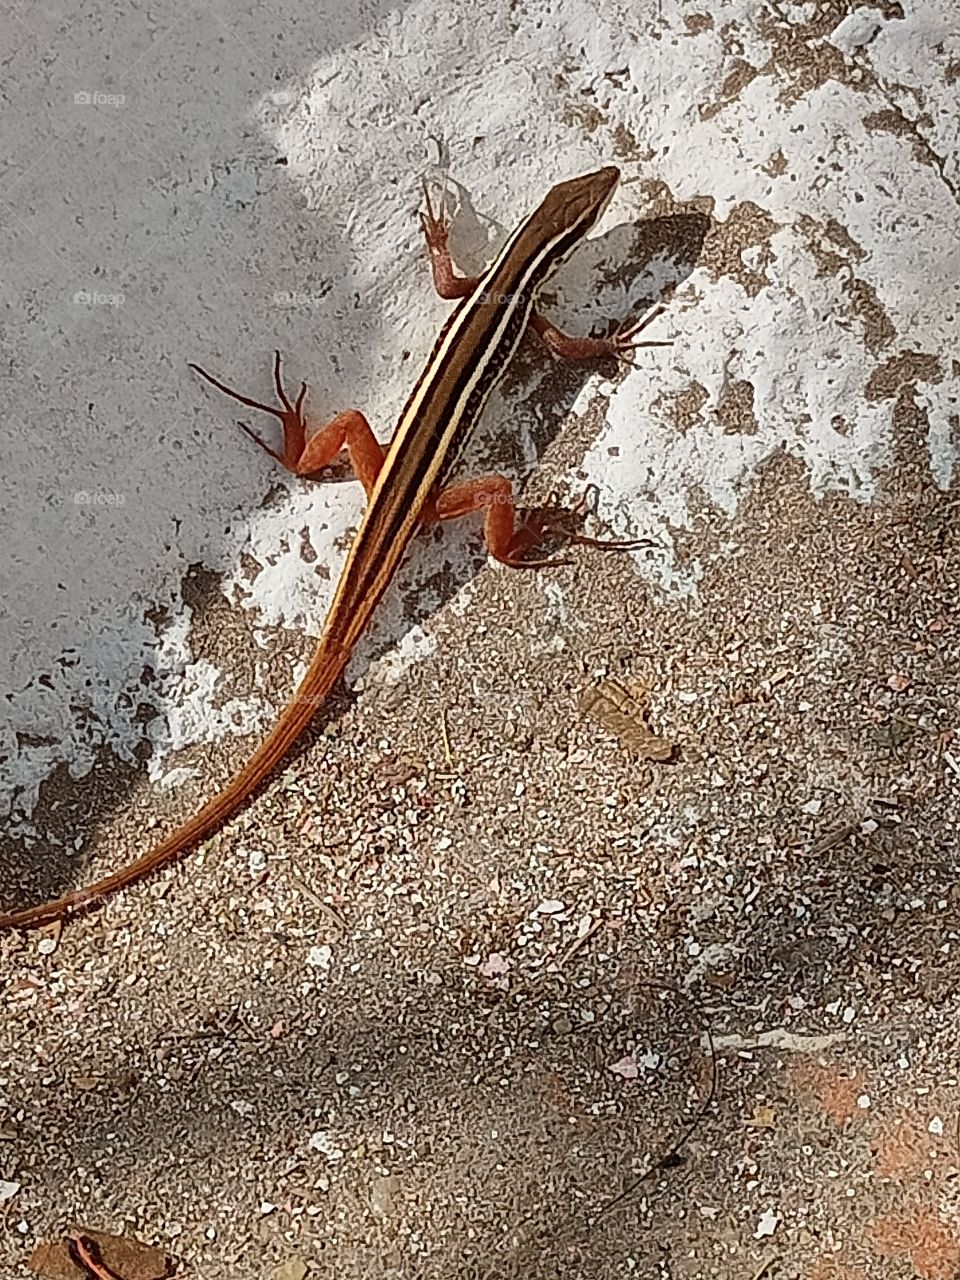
<point x="327" y="664"/>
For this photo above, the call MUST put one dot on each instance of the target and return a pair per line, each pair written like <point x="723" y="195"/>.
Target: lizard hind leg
<point x="619" y="345"/>
<point x="509" y="540"/>
<point x="557" y="518"/>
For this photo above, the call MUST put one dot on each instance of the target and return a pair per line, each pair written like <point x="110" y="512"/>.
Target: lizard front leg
<point x="619" y="345"/>
<point x="306" y="457"/>
<point x="436" y="231"/>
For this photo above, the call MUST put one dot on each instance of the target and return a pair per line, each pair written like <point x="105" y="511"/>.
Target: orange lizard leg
<point x="436" y="229"/>
<point x="508" y="541"/>
<point x="619" y="345"/>
<point x="306" y="457"/>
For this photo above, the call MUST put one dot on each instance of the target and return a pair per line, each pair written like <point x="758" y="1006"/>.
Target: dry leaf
<point x="23" y="987"/>
<point x="618" y="710"/>
<point x="123" y="1255"/>
<point x="292" y="1269"/>
<point x="720" y="981"/>
<point x="383" y="1192"/>
<point x="763" y="1118"/>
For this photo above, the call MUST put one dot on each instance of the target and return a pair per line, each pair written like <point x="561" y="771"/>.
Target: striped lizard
<point x="408" y="484"/>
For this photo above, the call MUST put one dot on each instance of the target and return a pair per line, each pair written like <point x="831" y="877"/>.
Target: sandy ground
<point x="472" y="989"/>
<point x="358" y="1029"/>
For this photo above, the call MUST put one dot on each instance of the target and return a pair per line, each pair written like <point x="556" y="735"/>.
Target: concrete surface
<point x="363" y="955"/>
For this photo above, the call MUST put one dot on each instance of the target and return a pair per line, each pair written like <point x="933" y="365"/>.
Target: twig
<point x="779" y="1038"/>
<point x="577" y="943"/>
<point x="330" y="912"/>
<point x="447" y="753"/>
<point x="670" y="1157"/>
<point x="837" y="837"/>
<point x="764" y="1267"/>
<point x="529" y="985"/>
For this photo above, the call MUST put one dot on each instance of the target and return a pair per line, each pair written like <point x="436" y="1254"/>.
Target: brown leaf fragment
<point x="720" y="981"/>
<point x="622" y="714"/>
<point x="763" y="1117"/>
<point x="83" y="1254"/>
<point x="87" y="1256"/>
<point x="292" y="1269"/>
<point x="741" y="695"/>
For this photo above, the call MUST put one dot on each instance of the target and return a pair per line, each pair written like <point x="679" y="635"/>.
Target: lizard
<point x="408" y="484"/>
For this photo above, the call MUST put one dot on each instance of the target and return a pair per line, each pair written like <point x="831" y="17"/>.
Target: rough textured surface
<point x="402" y="1016"/>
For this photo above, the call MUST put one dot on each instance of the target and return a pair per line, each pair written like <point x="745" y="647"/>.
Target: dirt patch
<point x="362" y="1027"/>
